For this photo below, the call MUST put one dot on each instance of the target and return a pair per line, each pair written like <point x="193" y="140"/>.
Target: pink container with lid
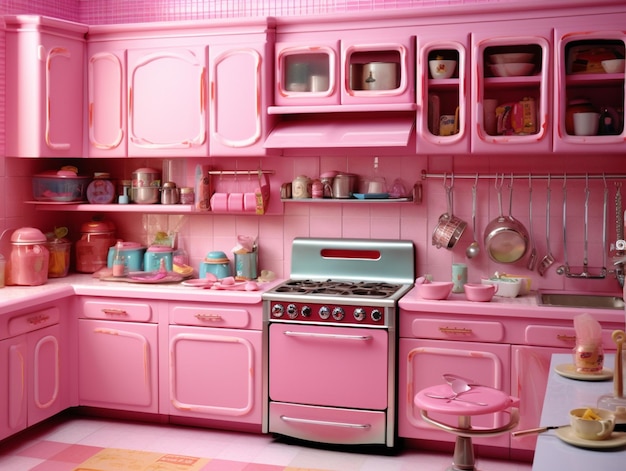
<point x="93" y="247"/>
<point x="29" y="259"/>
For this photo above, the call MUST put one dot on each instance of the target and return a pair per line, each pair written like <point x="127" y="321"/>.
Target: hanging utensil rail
<point x="526" y="176"/>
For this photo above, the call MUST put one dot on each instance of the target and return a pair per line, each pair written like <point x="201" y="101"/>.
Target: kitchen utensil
<point x="449" y="377"/>
<point x="548" y="260"/>
<point x="479" y="292"/>
<point x="458" y="387"/>
<point x="215" y="263"/>
<point x="617" y="400"/>
<point x="531" y="431"/>
<point x="473" y="249"/>
<point x="506" y="239"/>
<point x="435" y="290"/>
<point x="619" y="215"/>
<point x="532" y="259"/>
<point x="449" y="228"/>
<point x="565" y="267"/>
<point x="344" y="185"/>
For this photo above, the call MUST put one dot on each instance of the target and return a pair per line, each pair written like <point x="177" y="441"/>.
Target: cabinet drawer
<point x="216" y="315"/>
<point x="467" y="330"/>
<point x="560" y="336"/>
<point x="33" y="321"/>
<point x="119" y="310"/>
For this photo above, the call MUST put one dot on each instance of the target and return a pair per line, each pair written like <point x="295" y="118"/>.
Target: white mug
<point x="586" y="124"/>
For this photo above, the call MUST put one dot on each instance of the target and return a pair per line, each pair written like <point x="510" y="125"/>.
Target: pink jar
<point x="93" y="247"/>
<point x="28" y="262"/>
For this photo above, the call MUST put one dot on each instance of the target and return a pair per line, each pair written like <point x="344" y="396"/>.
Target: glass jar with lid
<point x="28" y="262"/>
<point x="93" y="247"/>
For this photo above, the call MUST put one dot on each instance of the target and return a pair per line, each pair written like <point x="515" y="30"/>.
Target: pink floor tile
<point x="76" y="453"/>
<point x="43" y="449"/>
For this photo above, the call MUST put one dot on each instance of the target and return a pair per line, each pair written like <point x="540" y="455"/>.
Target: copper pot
<point x="449" y="229"/>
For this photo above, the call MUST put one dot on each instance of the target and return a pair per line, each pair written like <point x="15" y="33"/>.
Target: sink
<point x="589" y="301"/>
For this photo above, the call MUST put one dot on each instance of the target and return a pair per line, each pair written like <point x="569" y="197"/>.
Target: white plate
<point x="569" y="371"/>
<point x="616" y="439"/>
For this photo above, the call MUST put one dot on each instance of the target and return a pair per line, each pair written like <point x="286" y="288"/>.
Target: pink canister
<point x="93" y="247"/>
<point x="28" y="262"/>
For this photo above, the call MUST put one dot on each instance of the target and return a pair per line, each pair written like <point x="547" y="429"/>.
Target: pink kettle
<point x="29" y="259"/>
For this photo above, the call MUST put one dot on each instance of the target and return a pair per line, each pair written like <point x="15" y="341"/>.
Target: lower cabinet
<point x="33" y="373"/>
<point x="117" y="365"/>
<point x="215" y="362"/>
<point x="422" y="363"/>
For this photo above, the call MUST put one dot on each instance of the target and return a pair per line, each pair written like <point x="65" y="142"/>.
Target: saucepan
<point x="449" y="229"/>
<point x="506" y="238"/>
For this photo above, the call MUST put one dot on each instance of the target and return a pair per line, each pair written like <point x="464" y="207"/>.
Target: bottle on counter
<point x="2" y="270"/>
<point x="119" y="261"/>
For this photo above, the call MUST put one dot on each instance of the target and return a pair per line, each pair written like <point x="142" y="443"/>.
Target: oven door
<point x="328" y="366"/>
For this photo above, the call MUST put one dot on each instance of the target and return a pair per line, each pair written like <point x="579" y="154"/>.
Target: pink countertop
<point x="521" y="306"/>
<point x="13" y="298"/>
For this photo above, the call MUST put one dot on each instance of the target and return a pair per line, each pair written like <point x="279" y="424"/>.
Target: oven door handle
<point x="323" y="422"/>
<point x="291" y="333"/>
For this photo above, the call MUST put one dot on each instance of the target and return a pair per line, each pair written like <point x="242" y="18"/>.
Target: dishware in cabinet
<point x="167" y="100"/>
<point x="442" y="97"/>
<point x="44" y="87"/>
<point x="510" y="91"/>
<point x="215" y="362"/>
<point x="106" y="93"/>
<point x="117" y="354"/>
<point x="307" y="74"/>
<point x="581" y="78"/>
<point x="33" y="369"/>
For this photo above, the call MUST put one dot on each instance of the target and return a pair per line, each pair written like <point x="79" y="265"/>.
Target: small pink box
<point x="219" y="202"/>
<point x="249" y="202"/>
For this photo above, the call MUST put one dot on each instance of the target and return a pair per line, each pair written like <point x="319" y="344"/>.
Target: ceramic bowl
<point x="511" y="58"/>
<point x="516" y="69"/>
<point x="435" y="290"/>
<point x="479" y="292"/>
<point x="507" y="287"/>
<point x="526" y="282"/>
<point x="441" y="69"/>
<point x="613" y="66"/>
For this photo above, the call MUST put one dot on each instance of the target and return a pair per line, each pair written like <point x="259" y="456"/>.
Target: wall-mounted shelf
<point x="117" y="208"/>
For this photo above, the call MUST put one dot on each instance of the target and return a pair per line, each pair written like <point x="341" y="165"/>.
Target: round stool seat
<point x="491" y="400"/>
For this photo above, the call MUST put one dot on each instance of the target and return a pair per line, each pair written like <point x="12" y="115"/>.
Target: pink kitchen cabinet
<point x="167" y="101"/>
<point x="240" y="91"/>
<point x="107" y="99"/>
<point x="581" y="78"/>
<point x="215" y="362"/>
<point x="44" y="87"/>
<point x="117" y="354"/>
<point x="33" y="370"/>
<point x="523" y="96"/>
<point x="422" y="363"/>
<point x="437" y="97"/>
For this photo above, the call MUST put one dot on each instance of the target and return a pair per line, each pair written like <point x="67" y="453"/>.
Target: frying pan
<point x="506" y="239"/>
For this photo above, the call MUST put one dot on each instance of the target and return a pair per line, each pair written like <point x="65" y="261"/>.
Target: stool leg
<point x="463" y="459"/>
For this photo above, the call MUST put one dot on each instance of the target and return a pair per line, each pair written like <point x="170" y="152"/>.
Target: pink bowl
<point x="436" y="290"/>
<point x="479" y="292"/>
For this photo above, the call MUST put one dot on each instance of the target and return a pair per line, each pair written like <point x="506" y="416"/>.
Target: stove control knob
<point x="324" y="312"/>
<point x="338" y="313"/>
<point x="292" y="311"/>
<point x="376" y="315"/>
<point x="359" y="314"/>
<point x="278" y="310"/>
<point x="305" y="311"/>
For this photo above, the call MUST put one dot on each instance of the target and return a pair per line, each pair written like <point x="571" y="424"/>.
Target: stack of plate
<point x="512" y="65"/>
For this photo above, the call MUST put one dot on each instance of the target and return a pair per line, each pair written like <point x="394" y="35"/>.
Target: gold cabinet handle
<point x="209" y="317"/>
<point x="38" y="319"/>
<point x="114" y="312"/>
<point x="455" y="330"/>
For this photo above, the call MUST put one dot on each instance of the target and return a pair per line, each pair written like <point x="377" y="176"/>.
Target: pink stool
<point x="464" y="407"/>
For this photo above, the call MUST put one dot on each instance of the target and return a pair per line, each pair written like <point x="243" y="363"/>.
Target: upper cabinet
<point x="590" y="87"/>
<point x="44" y="82"/>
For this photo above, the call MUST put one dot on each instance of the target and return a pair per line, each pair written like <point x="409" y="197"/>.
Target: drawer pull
<point x="209" y="317"/>
<point x="455" y="330"/>
<point x="40" y="319"/>
<point x="114" y="312"/>
<point x="566" y="338"/>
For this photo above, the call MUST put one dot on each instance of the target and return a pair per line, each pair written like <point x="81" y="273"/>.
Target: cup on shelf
<point x="586" y="124"/>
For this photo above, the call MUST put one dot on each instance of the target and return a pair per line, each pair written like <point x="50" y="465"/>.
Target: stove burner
<point x="338" y="288"/>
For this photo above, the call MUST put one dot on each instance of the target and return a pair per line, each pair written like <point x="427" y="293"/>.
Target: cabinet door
<point x="117" y="365"/>
<point x="46" y="385"/>
<point x="13" y="393"/>
<point x="239" y="98"/>
<point x="106" y="78"/>
<point x="215" y="373"/>
<point x="516" y="95"/>
<point x="581" y="77"/>
<point x="167" y="102"/>
<point x="422" y="364"/>
<point x="44" y="82"/>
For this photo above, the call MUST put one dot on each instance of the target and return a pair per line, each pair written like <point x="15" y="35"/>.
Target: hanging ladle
<point x="532" y="259"/>
<point x="473" y="249"/>
<point x="548" y="259"/>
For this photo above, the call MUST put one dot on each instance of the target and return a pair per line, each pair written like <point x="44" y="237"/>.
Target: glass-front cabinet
<point x="510" y="90"/>
<point x="590" y="89"/>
